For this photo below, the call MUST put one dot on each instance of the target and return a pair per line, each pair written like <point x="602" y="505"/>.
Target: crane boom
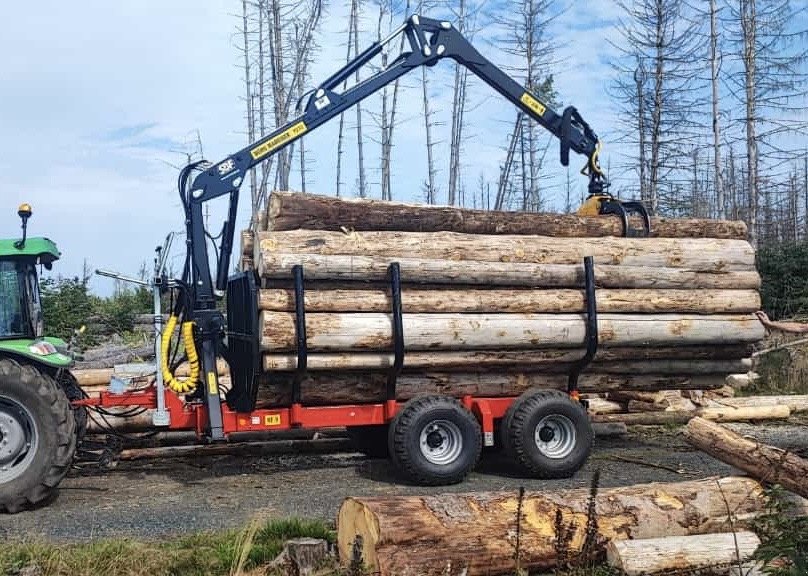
<point x="427" y="42"/>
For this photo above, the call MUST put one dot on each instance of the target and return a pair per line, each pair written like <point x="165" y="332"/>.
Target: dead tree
<point x="663" y="38"/>
<point x="767" y="80"/>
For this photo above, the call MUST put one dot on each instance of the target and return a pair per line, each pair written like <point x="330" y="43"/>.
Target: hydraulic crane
<point x="427" y="42"/>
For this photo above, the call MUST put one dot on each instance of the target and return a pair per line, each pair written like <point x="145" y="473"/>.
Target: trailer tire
<point x="39" y="432"/>
<point x="370" y="440"/>
<point x="435" y="441"/>
<point x="549" y="434"/>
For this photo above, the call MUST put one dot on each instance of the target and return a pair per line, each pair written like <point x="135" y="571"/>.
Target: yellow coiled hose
<point x="180" y="385"/>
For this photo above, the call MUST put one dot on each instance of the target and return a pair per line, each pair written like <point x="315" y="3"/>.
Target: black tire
<point x="73" y="391"/>
<point x="451" y="448"/>
<point x="370" y="440"/>
<point x="40" y="409"/>
<point x="503" y="431"/>
<point x="548" y="434"/>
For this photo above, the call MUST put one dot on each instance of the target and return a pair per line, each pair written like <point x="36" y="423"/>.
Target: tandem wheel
<point x="435" y="441"/>
<point x="547" y="433"/>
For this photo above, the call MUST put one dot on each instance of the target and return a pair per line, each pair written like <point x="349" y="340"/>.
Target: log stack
<point x="494" y="302"/>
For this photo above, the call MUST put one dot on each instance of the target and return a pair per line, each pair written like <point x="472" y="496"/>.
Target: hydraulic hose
<point x="173" y="383"/>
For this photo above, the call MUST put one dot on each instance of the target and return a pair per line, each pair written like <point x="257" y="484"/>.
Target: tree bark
<point x="681" y="553"/>
<point x="697" y="254"/>
<point x="483" y="360"/>
<point x="475" y="534"/>
<point x="372" y="331"/>
<point x="329" y="388"/>
<point x="289" y="211"/>
<point x="766" y="463"/>
<point x="527" y="362"/>
<point x="707" y="414"/>
<point x="414" y="270"/>
<point x="464" y="300"/>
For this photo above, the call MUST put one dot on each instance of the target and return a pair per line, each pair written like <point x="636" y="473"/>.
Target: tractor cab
<point x="22" y="330"/>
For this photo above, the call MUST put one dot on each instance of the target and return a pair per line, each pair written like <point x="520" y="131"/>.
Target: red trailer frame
<point x="193" y="416"/>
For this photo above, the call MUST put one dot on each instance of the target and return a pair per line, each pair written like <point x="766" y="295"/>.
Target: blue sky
<point x="100" y="100"/>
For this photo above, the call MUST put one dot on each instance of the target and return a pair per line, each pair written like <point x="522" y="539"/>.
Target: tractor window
<point x="12" y="317"/>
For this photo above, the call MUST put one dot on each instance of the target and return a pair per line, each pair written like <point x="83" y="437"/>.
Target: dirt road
<point x="158" y="497"/>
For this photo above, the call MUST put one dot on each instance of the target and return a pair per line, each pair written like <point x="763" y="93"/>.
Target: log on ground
<point x="420" y="271"/>
<point x="475" y="533"/>
<point x="373" y="331"/>
<point x="487" y="360"/>
<point x="704" y="255"/>
<point x="681" y="554"/>
<point x="713" y="414"/>
<point x="324" y="388"/>
<point x="796" y="402"/>
<point x="291" y="210"/>
<point x="766" y="463"/>
<point x="515" y="300"/>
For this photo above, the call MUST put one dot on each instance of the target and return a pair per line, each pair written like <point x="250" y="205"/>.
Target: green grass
<point x="204" y="553"/>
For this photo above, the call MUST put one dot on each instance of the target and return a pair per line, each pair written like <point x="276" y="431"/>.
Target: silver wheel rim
<point x="19" y="439"/>
<point x="441" y="442"/>
<point x="555" y="436"/>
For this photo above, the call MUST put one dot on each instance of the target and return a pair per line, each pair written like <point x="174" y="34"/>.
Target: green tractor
<point x="39" y="429"/>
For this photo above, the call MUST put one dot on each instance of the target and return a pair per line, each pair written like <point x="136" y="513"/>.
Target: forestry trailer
<point x="431" y="439"/>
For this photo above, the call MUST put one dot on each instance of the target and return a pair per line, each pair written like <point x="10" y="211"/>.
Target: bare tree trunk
<point x="430" y="191"/>
<point x="458" y="108"/>
<point x="504" y="177"/>
<point x="261" y="96"/>
<point x="640" y="78"/>
<point x="749" y="29"/>
<point x="656" y="113"/>
<point x="341" y="137"/>
<point x="250" y="116"/>
<point x="717" y="181"/>
<point x="356" y="7"/>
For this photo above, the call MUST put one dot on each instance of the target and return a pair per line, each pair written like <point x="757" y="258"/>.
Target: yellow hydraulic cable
<point x="180" y="385"/>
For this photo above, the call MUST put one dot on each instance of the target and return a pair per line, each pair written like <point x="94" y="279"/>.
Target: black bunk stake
<point x="591" y="327"/>
<point x="394" y="273"/>
<point x="300" y="333"/>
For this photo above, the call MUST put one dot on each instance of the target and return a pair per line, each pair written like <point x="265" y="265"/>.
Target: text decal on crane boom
<point x="278" y="141"/>
<point x="531" y="102"/>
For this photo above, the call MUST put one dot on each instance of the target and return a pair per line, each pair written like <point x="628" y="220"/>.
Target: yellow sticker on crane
<point x="276" y="142"/>
<point x="212" y="387"/>
<point x="272" y="420"/>
<point x="531" y="102"/>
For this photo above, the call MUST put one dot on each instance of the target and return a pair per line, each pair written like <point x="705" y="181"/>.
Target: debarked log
<point x="701" y="254"/>
<point x="492" y="360"/>
<point x="420" y="271"/>
<point x="373" y="331"/>
<point x="515" y="300"/>
<point x="681" y="554"/>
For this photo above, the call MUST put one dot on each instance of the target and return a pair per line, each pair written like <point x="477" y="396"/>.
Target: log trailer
<point x="431" y="439"/>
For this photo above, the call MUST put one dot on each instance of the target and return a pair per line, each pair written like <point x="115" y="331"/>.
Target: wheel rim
<point x="19" y="439"/>
<point x="441" y="442"/>
<point x="555" y="436"/>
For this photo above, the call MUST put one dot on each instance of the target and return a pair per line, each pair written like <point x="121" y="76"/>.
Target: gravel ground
<point x="147" y="499"/>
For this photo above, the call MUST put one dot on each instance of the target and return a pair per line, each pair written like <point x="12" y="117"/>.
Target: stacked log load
<point x="494" y="302"/>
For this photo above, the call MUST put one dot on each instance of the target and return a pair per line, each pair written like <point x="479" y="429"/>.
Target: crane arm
<point x="427" y="41"/>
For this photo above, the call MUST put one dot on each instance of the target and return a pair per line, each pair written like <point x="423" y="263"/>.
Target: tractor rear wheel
<point x="37" y="435"/>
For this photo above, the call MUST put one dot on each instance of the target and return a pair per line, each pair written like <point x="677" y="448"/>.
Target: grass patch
<point x="200" y="554"/>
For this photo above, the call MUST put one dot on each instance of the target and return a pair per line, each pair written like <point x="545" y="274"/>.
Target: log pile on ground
<point x="494" y="303"/>
<point x="477" y="533"/>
